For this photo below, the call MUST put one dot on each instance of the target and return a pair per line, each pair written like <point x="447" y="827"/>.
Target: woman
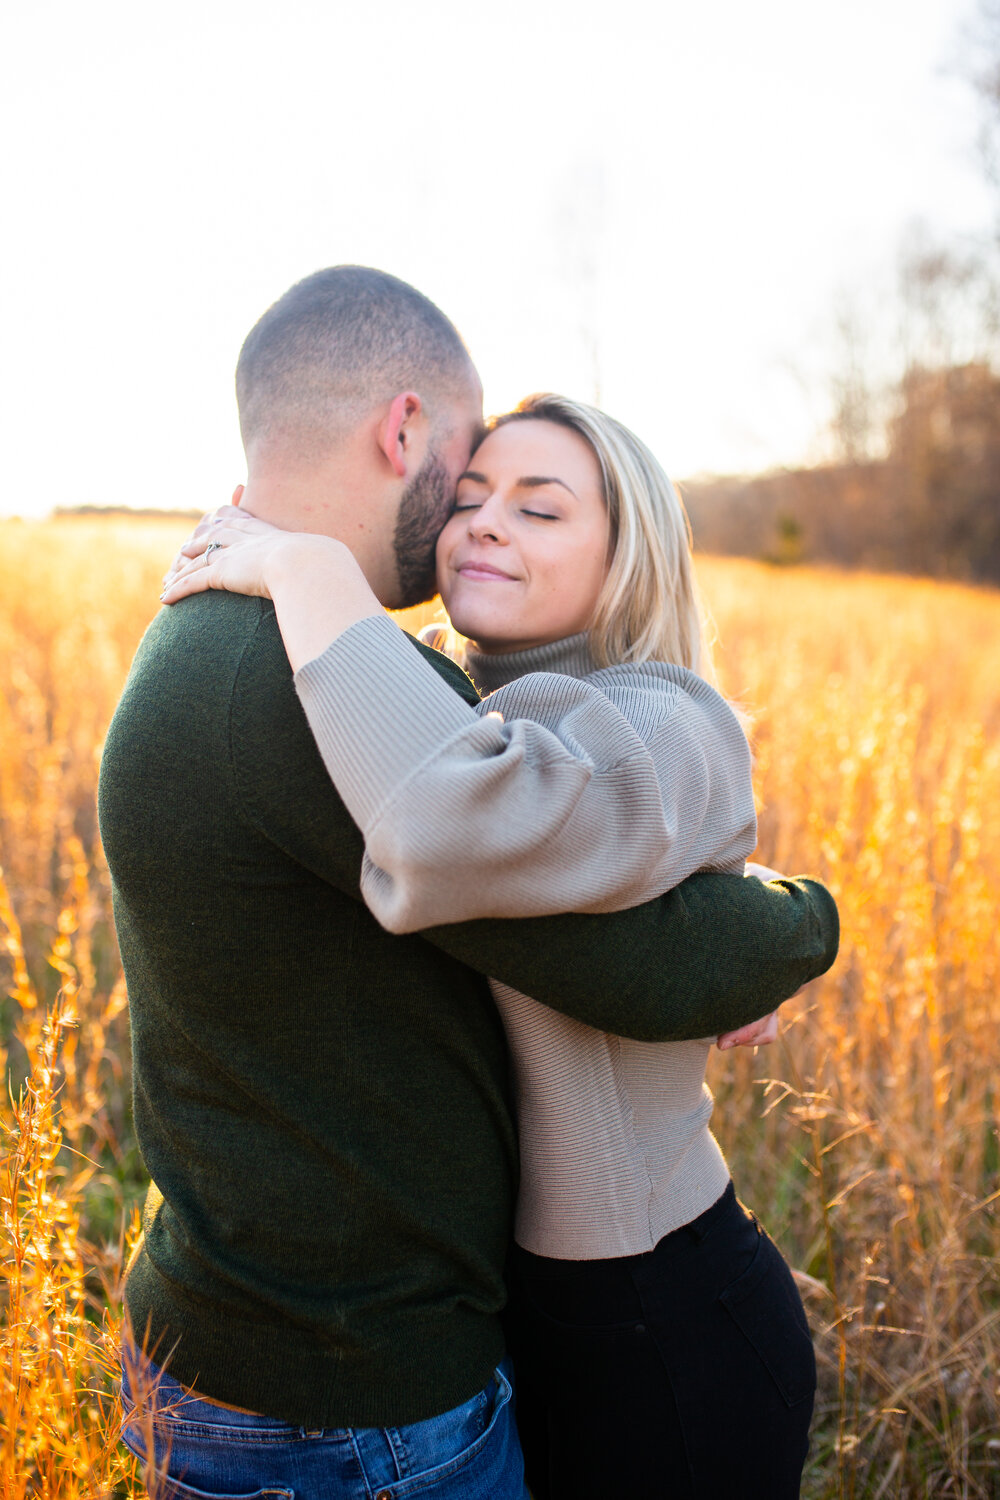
<point x="660" y="1344"/>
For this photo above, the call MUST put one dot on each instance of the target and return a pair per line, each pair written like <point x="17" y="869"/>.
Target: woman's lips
<point x="483" y="571"/>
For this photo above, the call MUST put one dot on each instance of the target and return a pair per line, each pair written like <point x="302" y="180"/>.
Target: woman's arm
<point x="583" y="796"/>
<point x="579" y="798"/>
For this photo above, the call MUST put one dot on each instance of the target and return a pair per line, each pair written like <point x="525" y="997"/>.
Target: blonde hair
<point x="648" y="608"/>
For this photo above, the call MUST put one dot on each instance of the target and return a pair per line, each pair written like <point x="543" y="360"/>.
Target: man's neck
<point x="327" y="504"/>
<point x="298" y="502"/>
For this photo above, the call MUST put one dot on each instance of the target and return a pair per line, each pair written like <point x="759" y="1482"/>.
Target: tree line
<point x="929" y="504"/>
<point x="912" y="477"/>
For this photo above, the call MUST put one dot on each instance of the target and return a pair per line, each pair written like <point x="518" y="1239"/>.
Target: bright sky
<point x="672" y="196"/>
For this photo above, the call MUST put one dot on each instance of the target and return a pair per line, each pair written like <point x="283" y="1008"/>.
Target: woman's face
<point x="523" y="556"/>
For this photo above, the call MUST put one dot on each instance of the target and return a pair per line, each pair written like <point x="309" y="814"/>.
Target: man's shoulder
<point x="210" y="626"/>
<point x="194" y="661"/>
<point x="212" y="645"/>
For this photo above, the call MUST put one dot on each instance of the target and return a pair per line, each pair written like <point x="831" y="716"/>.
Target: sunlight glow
<point x="654" y="206"/>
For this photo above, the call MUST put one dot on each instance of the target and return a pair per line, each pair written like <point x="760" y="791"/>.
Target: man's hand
<point x="757" y="1034"/>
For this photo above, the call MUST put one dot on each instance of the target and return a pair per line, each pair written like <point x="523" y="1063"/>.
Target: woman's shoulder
<point x="658" y="690"/>
<point x="665" y="677"/>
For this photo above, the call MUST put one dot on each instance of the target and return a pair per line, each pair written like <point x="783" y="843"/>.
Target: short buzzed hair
<point x="337" y="344"/>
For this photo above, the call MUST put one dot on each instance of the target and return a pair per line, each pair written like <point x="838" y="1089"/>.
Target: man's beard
<point x="423" y="510"/>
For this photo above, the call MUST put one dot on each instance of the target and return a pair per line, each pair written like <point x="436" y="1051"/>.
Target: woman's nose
<point x="486" y="523"/>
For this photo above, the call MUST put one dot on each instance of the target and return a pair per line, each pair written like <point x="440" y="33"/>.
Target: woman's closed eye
<point x="462" y="506"/>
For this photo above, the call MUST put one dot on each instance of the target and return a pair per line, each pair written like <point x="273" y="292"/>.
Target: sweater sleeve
<point x="708" y="956"/>
<point x="555" y="795"/>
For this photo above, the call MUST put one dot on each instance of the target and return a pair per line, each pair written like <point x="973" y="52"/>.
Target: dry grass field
<point x="866" y="1139"/>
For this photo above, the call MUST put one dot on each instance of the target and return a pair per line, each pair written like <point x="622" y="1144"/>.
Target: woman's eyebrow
<point x="535" y="481"/>
<point x="526" y="482"/>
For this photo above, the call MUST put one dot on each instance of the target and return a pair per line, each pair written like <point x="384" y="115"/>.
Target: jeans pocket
<point x="165" y="1486"/>
<point x="173" y="1489"/>
<point x="765" y="1304"/>
<point x="495" y="1446"/>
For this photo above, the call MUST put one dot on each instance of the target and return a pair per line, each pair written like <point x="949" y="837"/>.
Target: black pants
<point x="683" y="1374"/>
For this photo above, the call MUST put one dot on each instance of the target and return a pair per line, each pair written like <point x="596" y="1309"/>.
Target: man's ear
<point x="397" y="431"/>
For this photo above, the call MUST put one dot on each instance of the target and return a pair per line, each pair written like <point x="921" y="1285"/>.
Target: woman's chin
<point x="489" y="634"/>
<point x="502" y="643"/>
<point x="486" y="641"/>
<point x="490" y="641"/>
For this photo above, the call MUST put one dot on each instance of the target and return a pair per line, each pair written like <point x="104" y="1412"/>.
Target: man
<point x="322" y="1106"/>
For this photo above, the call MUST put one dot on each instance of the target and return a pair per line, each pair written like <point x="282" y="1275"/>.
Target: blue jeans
<point x="215" y="1453"/>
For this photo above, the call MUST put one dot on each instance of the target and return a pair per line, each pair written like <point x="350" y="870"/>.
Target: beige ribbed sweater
<point x="570" y="789"/>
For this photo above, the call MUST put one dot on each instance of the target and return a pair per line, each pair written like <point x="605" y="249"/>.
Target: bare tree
<point x="580" y="214"/>
<point x="856" y="422"/>
<point x="984" y="70"/>
<point x="946" y="299"/>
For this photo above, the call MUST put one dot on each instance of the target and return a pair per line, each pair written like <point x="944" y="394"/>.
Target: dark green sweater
<point x="323" y="1107"/>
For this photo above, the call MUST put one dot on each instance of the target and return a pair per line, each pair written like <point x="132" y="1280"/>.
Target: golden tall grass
<point x="866" y="1139"/>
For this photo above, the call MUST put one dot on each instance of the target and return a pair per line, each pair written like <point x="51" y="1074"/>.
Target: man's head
<point x="359" y="406"/>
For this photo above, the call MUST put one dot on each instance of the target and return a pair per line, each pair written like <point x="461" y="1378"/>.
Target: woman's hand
<point x="229" y="516"/>
<point x="232" y="556"/>
<point x="315" y="581"/>
<point x="757" y="1034"/>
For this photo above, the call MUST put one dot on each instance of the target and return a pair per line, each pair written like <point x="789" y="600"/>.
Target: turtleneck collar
<point x="490" y="670"/>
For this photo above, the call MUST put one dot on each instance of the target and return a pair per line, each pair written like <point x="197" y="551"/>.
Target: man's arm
<point x="712" y="955"/>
